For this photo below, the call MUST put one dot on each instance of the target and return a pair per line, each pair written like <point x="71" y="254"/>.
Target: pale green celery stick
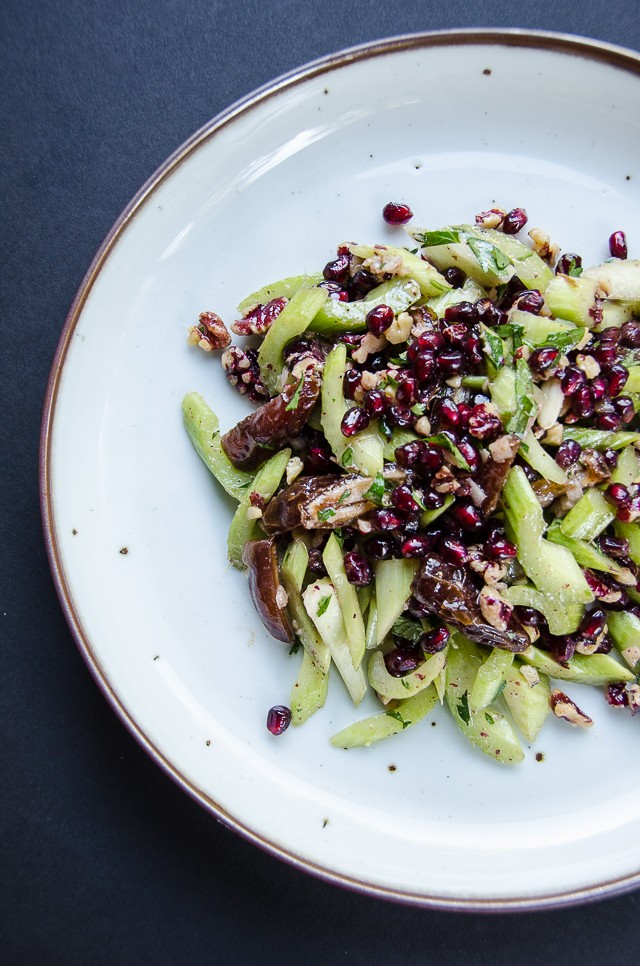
<point x="589" y="517"/>
<point x="460" y="255"/>
<point x="347" y="598"/>
<point x="390" y="688"/>
<point x="530" y="268"/>
<point x="364" y="597"/>
<point x="615" y="312"/>
<point x="560" y="618"/>
<point x="540" y="460"/>
<point x="572" y="299"/>
<point x="372" y="624"/>
<point x="440" y="685"/>
<point x="489" y="730"/>
<point x="503" y="391"/>
<point x="490" y="676"/>
<point x="321" y="604"/>
<point x="625" y="631"/>
<point x="552" y="569"/>
<point x="538" y="328"/>
<point x="430" y="281"/>
<point x="335" y="317"/>
<point x="315" y="419"/>
<point x="528" y="705"/>
<point x="633" y="382"/>
<point x="302" y="623"/>
<point x="633" y="594"/>
<point x="293" y="320"/>
<point x="592" y="669"/>
<point x="588" y="555"/>
<point x="474" y="382"/>
<point x="470" y="292"/>
<point x="430" y="515"/>
<point x="630" y="532"/>
<point x="309" y="692"/>
<point x="600" y="439"/>
<point x="202" y="425"/>
<point x="285" y="288"/>
<point x="380" y="726"/>
<point x="398" y="438"/>
<point x="265" y="484"/>
<point x="363" y="451"/>
<point x="627" y="469"/>
<point x="295" y="563"/>
<point x="393" y="589"/>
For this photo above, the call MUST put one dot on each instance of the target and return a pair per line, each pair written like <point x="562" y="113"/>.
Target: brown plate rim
<point x="616" y="56"/>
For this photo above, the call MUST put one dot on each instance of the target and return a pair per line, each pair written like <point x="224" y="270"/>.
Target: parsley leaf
<point x="410" y="630"/>
<point x="295" y="399"/>
<point x="398" y="717"/>
<point x="405" y="684"/>
<point x="295" y="647"/>
<point x="444" y="439"/>
<point x="561" y="340"/>
<point x="491" y="258"/>
<point x="322" y="606"/>
<point x="344" y="496"/>
<point x="500" y="689"/>
<point x="463" y="708"/>
<point x="493" y="347"/>
<point x="489" y="717"/>
<point x="375" y="493"/>
<point x="525" y="402"/>
<point x="325" y="515"/>
<point x="347" y="458"/>
<point x="446" y="236"/>
<point x="574" y="270"/>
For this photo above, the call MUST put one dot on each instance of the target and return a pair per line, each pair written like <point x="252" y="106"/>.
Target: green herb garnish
<point x="325" y="515"/>
<point x="295" y="399"/>
<point x="463" y="708"/>
<point x="398" y="717"/>
<point x="375" y="493"/>
<point x="322" y="606"/>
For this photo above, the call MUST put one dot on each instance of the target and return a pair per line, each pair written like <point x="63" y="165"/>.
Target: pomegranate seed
<point x="333" y="288"/>
<point x="614" y="546"/>
<point x="599" y="387"/>
<point x="473" y="350"/>
<point x="630" y="333"/>
<point x="489" y="313"/>
<point x="605" y="645"/>
<point x="385" y="520"/>
<point x="616" y="694"/>
<point x="456" y="335"/>
<point x="375" y="402"/>
<point x="624" y="408"/>
<point x="593" y="625"/>
<point x="379" y="548"/>
<point x="530" y="617"/>
<point x="568" y="453"/>
<point x="542" y="358"/>
<point x="278" y="719"/>
<point x="431" y="341"/>
<point x="319" y="460"/>
<point x="454" y="276"/>
<point x="432" y="499"/>
<point x="360" y="284"/>
<point x="337" y="270"/>
<point x="453" y="551"/>
<point x="434" y="641"/>
<point x="568" y="263"/>
<point x="468" y="516"/>
<point x="618" y="245"/>
<point x="417" y="608"/>
<point x="610" y="457"/>
<point x="514" y="221"/>
<point x="354" y="421"/>
<point x="572" y="379"/>
<point x="402" y="661"/>
<point x="469" y="452"/>
<point x="379" y="319"/>
<point x="617" y="494"/>
<point x="316" y="563"/>
<point x="617" y="376"/>
<point x="605" y="354"/>
<point x="483" y="424"/>
<point x="350" y="382"/>
<point x="424" y="365"/>
<point x="531" y="301"/>
<point x="610" y="422"/>
<point x="464" y="411"/>
<point x="407" y="391"/>
<point x="402" y="499"/>
<point x="396" y="214"/>
<point x="451" y="361"/>
<point x="401" y="417"/>
<point x="408" y="456"/>
<point x="358" y="569"/>
<point x="418" y="545"/>
<point x="449" y="413"/>
<point x="464" y="313"/>
<point x="563" y="649"/>
<point x="582" y="402"/>
<point x="431" y="459"/>
<point x="499" y="548"/>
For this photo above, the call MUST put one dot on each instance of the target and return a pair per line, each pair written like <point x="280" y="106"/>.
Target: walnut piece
<point x="564" y="707"/>
<point x="210" y="333"/>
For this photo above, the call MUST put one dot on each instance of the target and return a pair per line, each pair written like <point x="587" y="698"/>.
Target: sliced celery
<point x="627" y="469"/>
<point x="293" y="320"/>
<point x="321" y="604"/>
<point x="285" y="288"/>
<point x="490" y="676"/>
<point x="363" y="451"/>
<point x="202" y="425"/>
<point x="398" y="438"/>
<point x="530" y="268"/>
<point x="335" y="317"/>
<point x="588" y="555"/>
<point x="347" y="598"/>
<point x="265" y="484"/>
<point x="633" y="382"/>
<point x="592" y="669"/>
<point x="391" y="688"/>
<point x="503" y="391"/>
<point x="295" y="563"/>
<point x="528" y="705"/>
<point x="431" y="282"/>
<point x="562" y="619"/>
<point x="392" y="722"/>
<point x="393" y="589"/>
<point x="469" y="292"/>
<point x="429" y="516"/>
<point x="630" y="532"/>
<point x="489" y="730"/>
<point x="540" y="460"/>
<point x="625" y="631"/>
<point x="365" y="595"/>
<point x="589" y="517"/>
<point x="538" y="328"/>
<point x="600" y="439"/>
<point x="572" y="299"/>
<point x="372" y="624"/>
<point x="309" y="692"/>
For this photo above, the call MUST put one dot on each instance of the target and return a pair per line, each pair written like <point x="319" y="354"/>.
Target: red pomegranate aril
<point x="470" y="453"/>
<point x="514" y="221"/>
<point x="483" y="424"/>
<point x="337" y="270"/>
<point x="568" y="263"/>
<point x="358" y="569"/>
<point x="379" y="548"/>
<point x="432" y="642"/>
<point x="624" y="408"/>
<point x="531" y="301"/>
<point x="379" y="319"/>
<point x="454" y="276"/>
<point x="385" y="520"/>
<point x="401" y="662"/>
<point x="618" y="245"/>
<point x="278" y="719"/>
<point x="453" y="551"/>
<point x="456" y="335"/>
<point x="360" y="284"/>
<point x="418" y="545"/>
<point x="614" y="546"/>
<point x="582" y="402"/>
<point x="350" y="382"/>
<point x="375" y="402"/>
<point x="605" y="354"/>
<point x="616" y="694"/>
<point x="599" y="387"/>
<point x="530" y="617"/>
<point x="610" y="457"/>
<point x="424" y="365"/>
<point x="617" y="494"/>
<point x="468" y="516"/>
<point x="431" y="459"/>
<point x="464" y="411"/>
<point x="593" y="625"/>
<point x="402" y="499"/>
<point x="572" y="379"/>
<point x="499" y="548"/>
<point x="563" y="649"/>
<point x="609" y="422"/>
<point x="605" y="646"/>
<point x="316" y="563"/>
<point x="354" y="421"/>
<point x="401" y="417"/>
<point x="431" y="341"/>
<point x="630" y="333"/>
<point x="568" y="453"/>
<point x="319" y="460"/>
<point x="617" y="376"/>
<point x="416" y="608"/>
<point x="448" y="413"/>
<point x="396" y="213"/>
<point x="432" y="499"/>
<point x="473" y="350"/>
<point x="408" y="456"/>
<point x="611" y="334"/>
<point x="451" y="361"/>
<point x="333" y="288"/>
<point x="543" y="358"/>
<point x="489" y="313"/>
<point x="464" y="313"/>
<point x="407" y="391"/>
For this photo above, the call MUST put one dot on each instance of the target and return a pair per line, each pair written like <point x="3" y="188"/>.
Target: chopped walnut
<point x="543" y="246"/>
<point x="369" y="380"/>
<point x="504" y="448"/>
<point x="445" y="481"/>
<point x="294" y="468"/>
<point x="553" y="435"/>
<point x="400" y="329"/>
<point x="210" y="333"/>
<point x="633" y="696"/>
<point x="258" y="319"/>
<point x="490" y="219"/>
<point x="588" y="365"/>
<point x="495" y="610"/>
<point x="491" y="571"/>
<point x="369" y="346"/>
<point x="530" y="674"/>
<point x="253" y="513"/>
<point x="423" y="426"/>
<point x="564" y="707"/>
<point x="631" y="655"/>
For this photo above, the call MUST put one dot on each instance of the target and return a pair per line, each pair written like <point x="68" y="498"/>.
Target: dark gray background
<point x="104" y="860"/>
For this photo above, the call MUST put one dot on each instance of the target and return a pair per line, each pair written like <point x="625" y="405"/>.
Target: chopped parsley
<point x="295" y="399"/>
<point x="344" y="496"/>
<point x="322" y="606"/>
<point x="491" y="258"/>
<point x="489" y="717"/>
<point x="295" y="647"/>
<point x="398" y="717"/>
<point x="375" y="493"/>
<point x="326" y="514"/>
<point x="347" y="458"/>
<point x="463" y="708"/>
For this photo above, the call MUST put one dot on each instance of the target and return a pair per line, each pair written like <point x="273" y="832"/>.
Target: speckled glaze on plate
<point x="136" y="527"/>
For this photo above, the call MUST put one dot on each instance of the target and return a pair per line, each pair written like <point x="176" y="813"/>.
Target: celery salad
<point x="439" y="490"/>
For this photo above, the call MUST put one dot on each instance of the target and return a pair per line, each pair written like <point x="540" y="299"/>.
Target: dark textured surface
<point x="104" y="860"/>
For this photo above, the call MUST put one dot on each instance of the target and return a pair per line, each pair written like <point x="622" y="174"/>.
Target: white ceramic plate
<point x="449" y="123"/>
